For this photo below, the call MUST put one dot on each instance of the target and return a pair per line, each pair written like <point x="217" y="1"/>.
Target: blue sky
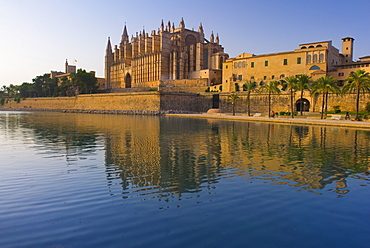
<point x="38" y="36"/>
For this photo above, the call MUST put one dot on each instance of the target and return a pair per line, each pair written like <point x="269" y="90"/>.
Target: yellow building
<point x="343" y="71"/>
<point x="315" y="59"/>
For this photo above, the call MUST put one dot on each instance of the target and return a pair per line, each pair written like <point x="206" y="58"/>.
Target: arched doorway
<point x="128" y="80"/>
<point x="305" y="105"/>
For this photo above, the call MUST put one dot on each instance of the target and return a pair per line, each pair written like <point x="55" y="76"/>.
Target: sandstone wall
<point x="259" y="102"/>
<point x="186" y="102"/>
<point x="148" y="101"/>
<point x="164" y="101"/>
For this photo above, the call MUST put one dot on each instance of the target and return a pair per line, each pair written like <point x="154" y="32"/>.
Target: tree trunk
<point x="291" y="103"/>
<point x="269" y="104"/>
<point x="301" y="103"/>
<point x="326" y="104"/>
<point x="357" y="103"/>
<point x="249" y="103"/>
<point x="323" y="105"/>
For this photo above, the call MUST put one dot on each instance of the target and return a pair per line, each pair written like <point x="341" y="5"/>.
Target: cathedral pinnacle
<point x="124" y="34"/>
<point x="162" y="26"/>
<point x="217" y="39"/>
<point x="212" y="38"/>
<point x="182" y="23"/>
<point x="200" y="29"/>
<point x="109" y="47"/>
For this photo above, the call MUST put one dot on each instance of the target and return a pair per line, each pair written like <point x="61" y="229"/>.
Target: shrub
<point x="282" y="113"/>
<point x="337" y="109"/>
<point x="220" y="87"/>
<point x="153" y="89"/>
<point x="208" y="89"/>
<point x="367" y="107"/>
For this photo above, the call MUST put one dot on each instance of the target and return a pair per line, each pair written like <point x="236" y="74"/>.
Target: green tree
<point x="233" y="98"/>
<point x="357" y="82"/>
<point x="303" y="84"/>
<point x="324" y="85"/>
<point x="249" y="86"/>
<point x="270" y="88"/>
<point x="41" y="85"/>
<point x="290" y="83"/>
<point x="84" y="82"/>
<point x="66" y="88"/>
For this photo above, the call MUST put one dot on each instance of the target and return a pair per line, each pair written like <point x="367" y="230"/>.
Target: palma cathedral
<point x="167" y="57"/>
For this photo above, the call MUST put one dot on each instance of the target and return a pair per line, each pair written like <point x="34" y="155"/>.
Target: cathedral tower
<point x="108" y="63"/>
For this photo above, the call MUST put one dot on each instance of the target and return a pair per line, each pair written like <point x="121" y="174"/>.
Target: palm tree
<point x="358" y="81"/>
<point x="291" y="83"/>
<point x="233" y="98"/>
<point x="249" y="86"/>
<point x="303" y="83"/>
<point x="270" y="88"/>
<point x="324" y="85"/>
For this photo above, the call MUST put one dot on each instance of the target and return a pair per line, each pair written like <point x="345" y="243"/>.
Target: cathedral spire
<point x="212" y="38"/>
<point x="162" y="26"/>
<point x="200" y="29"/>
<point x="182" y="23"/>
<point x="217" y="39"/>
<point x="109" y="47"/>
<point x="168" y="26"/>
<point x="124" y="35"/>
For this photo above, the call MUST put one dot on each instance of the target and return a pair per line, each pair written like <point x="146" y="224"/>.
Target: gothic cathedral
<point x="170" y="56"/>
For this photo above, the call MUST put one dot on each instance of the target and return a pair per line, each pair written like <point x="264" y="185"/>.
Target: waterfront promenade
<point x="312" y="119"/>
<point x="300" y="120"/>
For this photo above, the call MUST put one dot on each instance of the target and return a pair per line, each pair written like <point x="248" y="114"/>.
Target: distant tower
<point x="108" y="63"/>
<point x="66" y="66"/>
<point x="347" y="49"/>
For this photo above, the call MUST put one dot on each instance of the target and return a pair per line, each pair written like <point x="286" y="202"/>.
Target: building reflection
<point x="179" y="155"/>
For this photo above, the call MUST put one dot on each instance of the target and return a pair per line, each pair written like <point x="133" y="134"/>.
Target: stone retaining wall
<point x="146" y="102"/>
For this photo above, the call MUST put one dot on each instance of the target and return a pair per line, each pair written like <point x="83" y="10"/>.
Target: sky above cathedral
<point x="38" y="36"/>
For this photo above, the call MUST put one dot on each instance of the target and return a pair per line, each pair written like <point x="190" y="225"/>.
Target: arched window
<point x="321" y="57"/>
<point x="282" y="76"/>
<point x="308" y="58"/>
<point x="190" y="40"/>
<point x="311" y="47"/>
<point x="303" y="47"/>
<point x="319" y="46"/>
<point x="315" y="67"/>
<point x="315" y="58"/>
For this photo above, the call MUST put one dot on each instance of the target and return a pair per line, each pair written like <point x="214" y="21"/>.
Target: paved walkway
<point x="296" y="120"/>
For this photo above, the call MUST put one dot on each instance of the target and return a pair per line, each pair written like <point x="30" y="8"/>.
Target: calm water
<point x="80" y="180"/>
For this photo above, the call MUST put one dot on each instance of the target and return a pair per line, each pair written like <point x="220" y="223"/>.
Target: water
<point x="80" y="180"/>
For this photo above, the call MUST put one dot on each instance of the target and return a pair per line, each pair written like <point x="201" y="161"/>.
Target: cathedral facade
<point x="169" y="56"/>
